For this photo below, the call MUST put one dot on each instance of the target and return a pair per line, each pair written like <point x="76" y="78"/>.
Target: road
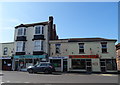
<point x="24" y="77"/>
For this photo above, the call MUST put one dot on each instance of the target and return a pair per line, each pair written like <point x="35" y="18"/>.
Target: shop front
<point x="60" y="63"/>
<point x="83" y="63"/>
<point x="6" y="63"/>
<point x="23" y="61"/>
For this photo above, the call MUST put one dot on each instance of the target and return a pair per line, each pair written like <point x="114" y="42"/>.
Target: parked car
<point x="45" y="67"/>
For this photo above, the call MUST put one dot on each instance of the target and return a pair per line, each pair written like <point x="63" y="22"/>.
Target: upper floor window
<point x="21" y="31"/>
<point x="5" y="51"/>
<point x="20" y="46"/>
<point x="104" y="47"/>
<point x="57" y="48"/>
<point x="39" y="29"/>
<point x="38" y="45"/>
<point x="81" y="47"/>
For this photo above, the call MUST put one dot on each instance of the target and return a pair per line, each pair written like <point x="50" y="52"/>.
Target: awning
<point x="29" y="56"/>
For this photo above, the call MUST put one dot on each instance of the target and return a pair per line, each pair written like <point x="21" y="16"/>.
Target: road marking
<point x="7" y="81"/>
<point x="108" y="75"/>
<point x="26" y="82"/>
<point x="2" y="82"/>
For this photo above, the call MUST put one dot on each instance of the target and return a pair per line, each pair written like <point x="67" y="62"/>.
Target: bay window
<point x="38" y="45"/>
<point x="21" y="31"/>
<point x="39" y="30"/>
<point x="20" y="46"/>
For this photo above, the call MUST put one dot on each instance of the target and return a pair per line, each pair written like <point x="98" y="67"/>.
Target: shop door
<point x="64" y="65"/>
<point x="88" y="65"/>
<point x="103" y="65"/>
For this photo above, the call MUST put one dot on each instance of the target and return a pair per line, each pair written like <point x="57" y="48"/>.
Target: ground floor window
<point x="108" y="64"/>
<point x="111" y="64"/>
<point x="78" y="64"/>
<point x="56" y="62"/>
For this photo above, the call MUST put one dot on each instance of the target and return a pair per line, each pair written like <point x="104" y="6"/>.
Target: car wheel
<point x="30" y="71"/>
<point x="47" y="71"/>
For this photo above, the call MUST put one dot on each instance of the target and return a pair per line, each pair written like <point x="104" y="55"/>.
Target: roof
<point x="33" y="24"/>
<point x="7" y="43"/>
<point x="87" y="39"/>
<point x="118" y="46"/>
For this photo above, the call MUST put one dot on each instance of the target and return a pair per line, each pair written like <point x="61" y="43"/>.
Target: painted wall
<point x="29" y="46"/>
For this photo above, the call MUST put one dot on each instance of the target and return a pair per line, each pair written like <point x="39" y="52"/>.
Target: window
<point x="5" y="51"/>
<point x="20" y="46"/>
<point x="104" y="47"/>
<point x="108" y="64"/>
<point x="111" y="64"/>
<point x="57" y="48"/>
<point x="78" y="64"/>
<point x="21" y="31"/>
<point x="38" y="45"/>
<point x="81" y="47"/>
<point x="56" y="62"/>
<point x="39" y="29"/>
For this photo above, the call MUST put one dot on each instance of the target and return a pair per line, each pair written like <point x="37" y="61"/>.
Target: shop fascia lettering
<point x="58" y="57"/>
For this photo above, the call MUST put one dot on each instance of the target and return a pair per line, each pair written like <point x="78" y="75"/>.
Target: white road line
<point x="26" y="82"/>
<point x="7" y="81"/>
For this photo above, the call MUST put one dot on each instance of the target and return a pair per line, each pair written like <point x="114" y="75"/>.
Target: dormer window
<point x="39" y="30"/>
<point x="21" y="31"/>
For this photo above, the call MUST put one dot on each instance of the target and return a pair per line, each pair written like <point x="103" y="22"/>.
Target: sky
<point x="72" y="19"/>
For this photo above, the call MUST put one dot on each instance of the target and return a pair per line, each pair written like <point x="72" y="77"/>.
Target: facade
<point x="118" y="56"/>
<point x="6" y="55"/>
<point x="84" y="54"/>
<point x="32" y="43"/>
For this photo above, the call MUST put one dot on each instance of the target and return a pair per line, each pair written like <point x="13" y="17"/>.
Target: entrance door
<point x="64" y="65"/>
<point x="88" y="65"/>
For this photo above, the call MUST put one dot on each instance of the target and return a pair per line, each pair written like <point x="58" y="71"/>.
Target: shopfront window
<point x="111" y="64"/>
<point x="56" y="62"/>
<point x="78" y="64"/>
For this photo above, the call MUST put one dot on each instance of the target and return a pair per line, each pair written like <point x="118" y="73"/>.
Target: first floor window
<point x="5" y="51"/>
<point x="38" y="45"/>
<point x="20" y="47"/>
<point x="57" y="48"/>
<point x="81" y="47"/>
<point x="104" y="47"/>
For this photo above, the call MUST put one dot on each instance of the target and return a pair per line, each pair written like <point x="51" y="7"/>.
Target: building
<point x="118" y="56"/>
<point x="32" y="43"/>
<point x="6" y="55"/>
<point x="84" y="54"/>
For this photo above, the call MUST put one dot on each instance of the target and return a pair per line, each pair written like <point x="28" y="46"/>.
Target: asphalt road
<point x="24" y="77"/>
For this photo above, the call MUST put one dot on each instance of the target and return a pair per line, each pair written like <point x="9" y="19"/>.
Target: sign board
<point x="65" y="57"/>
<point x="5" y="57"/>
<point x="29" y="56"/>
<point x="83" y="56"/>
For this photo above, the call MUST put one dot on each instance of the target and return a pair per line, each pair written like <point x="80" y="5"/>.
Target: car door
<point x="37" y="68"/>
<point x="43" y="66"/>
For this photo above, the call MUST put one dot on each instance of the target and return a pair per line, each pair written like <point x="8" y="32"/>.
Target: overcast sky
<point x="73" y="20"/>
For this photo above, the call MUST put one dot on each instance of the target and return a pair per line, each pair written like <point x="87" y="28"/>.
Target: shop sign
<point x="5" y="57"/>
<point x="65" y="57"/>
<point x="29" y="56"/>
<point x="83" y="56"/>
